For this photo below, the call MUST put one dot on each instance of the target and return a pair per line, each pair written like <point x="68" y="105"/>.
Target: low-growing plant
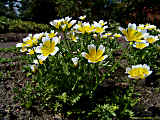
<point x="69" y="80"/>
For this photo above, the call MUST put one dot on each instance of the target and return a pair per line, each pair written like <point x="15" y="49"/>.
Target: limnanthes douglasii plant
<point x="142" y="43"/>
<point x="66" y="76"/>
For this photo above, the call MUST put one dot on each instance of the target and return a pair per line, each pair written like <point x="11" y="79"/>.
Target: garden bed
<point x="148" y="106"/>
<point x="44" y="93"/>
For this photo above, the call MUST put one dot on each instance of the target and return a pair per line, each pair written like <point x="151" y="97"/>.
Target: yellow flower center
<point x="94" y="56"/>
<point x="57" y="25"/>
<point x="99" y="29"/>
<point x="48" y="47"/>
<point x="51" y="35"/>
<point x="40" y="62"/>
<point x="141" y="27"/>
<point x="117" y="35"/>
<point x="73" y="37"/>
<point x="151" y="40"/>
<point x="133" y="35"/>
<point x="31" y="52"/>
<point x="140" y="45"/>
<point x="69" y="25"/>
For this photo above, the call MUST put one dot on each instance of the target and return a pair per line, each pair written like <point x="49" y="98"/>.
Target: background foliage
<point x="19" y="26"/>
<point x="123" y="11"/>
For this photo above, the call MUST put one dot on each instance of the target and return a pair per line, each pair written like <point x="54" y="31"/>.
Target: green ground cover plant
<point x="88" y="70"/>
<point x="19" y="26"/>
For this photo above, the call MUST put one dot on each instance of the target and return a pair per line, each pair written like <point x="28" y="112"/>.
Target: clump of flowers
<point x="138" y="71"/>
<point x="146" y="27"/>
<point x="83" y="28"/>
<point x="64" y="23"/>
<point x="86" y="27"/>
<point x="139" y="36"/>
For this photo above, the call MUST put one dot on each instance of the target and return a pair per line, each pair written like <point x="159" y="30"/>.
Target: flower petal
<point x="92" y="50"/>
<point x="55" y="51"/>
<point x="132" y="26"/>
<point x="100" y="51"/>
<point x="42" y="57"/>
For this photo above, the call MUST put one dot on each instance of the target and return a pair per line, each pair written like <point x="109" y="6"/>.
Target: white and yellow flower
<point x="141" y="26"/>
<point x="132" y="34"/>
<point x="30" y="51"/>
<point x="22" y="46"/>
<point x="64" y="26"/>
<point x="73" y="37"/>
<point x="94" y="56"/>
<point x="150" y="27"/>
<point x="138" y="71"/>
<point x="71" y="23"/>
<point x="84" y="28"/>
<point x="99" y="28"/>
<point x="48" y="47"/>
<point x="51" y="34"/>
<point x="66" y="19"/>
<point x="56" y="23"/>
<point x="33" y="68"/>
<point x="151" y="39"/>
<point x="29" y="41"/>
<point x="75" y="61"/>
<point x="158" y="30"/>
<point x="140" y="45"/>
<point x="117" y="35"/>
<point x="37" y="62"/>
<point x="67" y="23"/>
<point x="102" y="22"/>
<point x="106" y="35"/>
<point x="39" y="36"/>
<point x="82" y="17"/>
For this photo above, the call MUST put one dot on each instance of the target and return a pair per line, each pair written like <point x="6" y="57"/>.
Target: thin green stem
<point x="97" y="76"/>
<point x="75" y="85"/>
